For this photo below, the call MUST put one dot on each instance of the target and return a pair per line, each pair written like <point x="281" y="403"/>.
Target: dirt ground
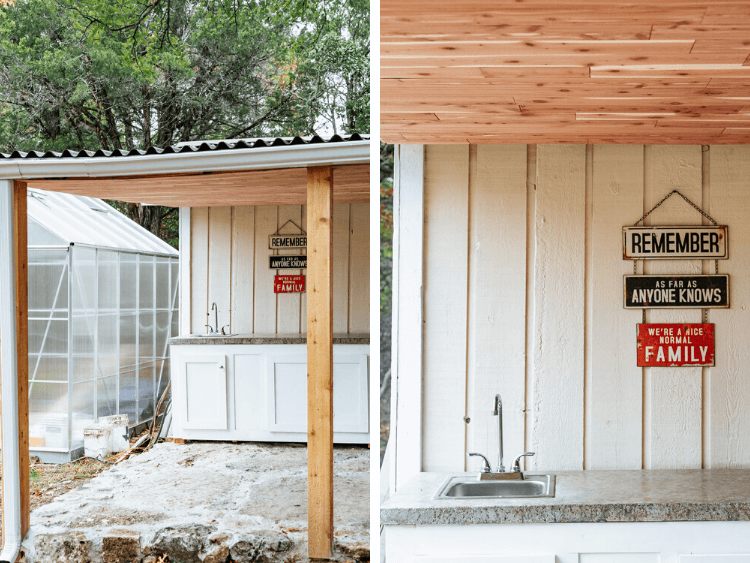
<point x="50" y="480"/>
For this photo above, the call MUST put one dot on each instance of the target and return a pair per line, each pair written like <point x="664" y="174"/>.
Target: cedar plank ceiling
<point x="590" y="71"/>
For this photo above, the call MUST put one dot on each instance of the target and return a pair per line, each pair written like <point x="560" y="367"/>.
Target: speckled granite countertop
<point x="265" y="339"/>
<point x="586" y="496"/>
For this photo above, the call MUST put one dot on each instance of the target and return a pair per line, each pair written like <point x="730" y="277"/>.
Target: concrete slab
<point x="203" y="502"/>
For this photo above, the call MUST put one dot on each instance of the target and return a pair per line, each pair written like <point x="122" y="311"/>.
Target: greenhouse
<point x="103" y="302"/>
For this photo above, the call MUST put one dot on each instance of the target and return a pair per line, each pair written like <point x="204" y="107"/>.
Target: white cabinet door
<point x="203" y="382"/>
<point x="287" y="393"/>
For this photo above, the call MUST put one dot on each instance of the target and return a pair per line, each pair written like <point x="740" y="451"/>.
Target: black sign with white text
<point x="677" y="292"/>
<point x="288" y="262"/>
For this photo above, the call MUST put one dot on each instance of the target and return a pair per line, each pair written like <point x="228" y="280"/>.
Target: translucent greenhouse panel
<point x="128" y="369"/>
<point x="84" y="314"/>
<point x="145" y="366"/>
<point x="48" y="415"/>
<point x="108" y="286"/>
<point x="48" y="283"/>
<point x="145" y="282"/>
<point x="106" y="396"/>
<point x="108" y="344"/>
<point x="128" y="281"/>
<point x="162" y="333"/>
<point x="48" y="368"/>
<point x="82" y="405"/>
<point x="128" y="395"/>
<point x="48" y="336"/>
<point x="41" y="236"/>
<point x="162" y="283"/>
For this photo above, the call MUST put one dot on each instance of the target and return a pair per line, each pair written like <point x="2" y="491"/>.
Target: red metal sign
<point x="669" y="345"/>
<point x="289" y="284"/>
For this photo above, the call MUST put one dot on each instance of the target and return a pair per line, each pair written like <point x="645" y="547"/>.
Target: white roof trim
<point x="265" y="158"/>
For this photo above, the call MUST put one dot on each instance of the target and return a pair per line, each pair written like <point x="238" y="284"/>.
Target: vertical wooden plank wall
<point x="588" y="404"/>
<point x="229" y="265"/>
<point x="674" y="433"/>
<point x="728" y="435"/>
<point x="446" y="234"/>
<point x="614" y="427"/>
<point x="556" y="417"/>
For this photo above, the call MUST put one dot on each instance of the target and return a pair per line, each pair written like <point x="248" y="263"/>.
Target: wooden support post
<point x="319" y="362"/>
<point x="22" y="344"/>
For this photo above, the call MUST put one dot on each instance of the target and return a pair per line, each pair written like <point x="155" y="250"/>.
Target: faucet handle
<point x="517" y="463"/>
<point x="222" y="329"/>
<point x="486" y="468"/>
<point x="210" y="329"/>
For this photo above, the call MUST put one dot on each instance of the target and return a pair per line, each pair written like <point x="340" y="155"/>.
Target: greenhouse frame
<point x="103" y="303"/>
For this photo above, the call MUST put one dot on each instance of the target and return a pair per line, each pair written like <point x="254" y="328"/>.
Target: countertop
<point x="586" y="496"/>
<point x="265" y="339"/>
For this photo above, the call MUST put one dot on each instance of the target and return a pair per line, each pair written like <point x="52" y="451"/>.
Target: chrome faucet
<point x="486" y="472"/>
<point x="211" y="329"/>
<point x="498" y="412"/>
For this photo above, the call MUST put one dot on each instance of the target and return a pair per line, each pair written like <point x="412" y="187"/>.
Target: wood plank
<point x="220" y="264"/>
<point x="359" y="277"/>
<point x="184" y="276"/>
<point x="341" y="268"/>
<point x="728" y="393"/>
<point x="668" y="71"/>
<point x="556" y="417"/>
<point x="199" y="269"/>
<point x="320" y="363"/>
<point x="616" y="384"/>
<point x="286" y="186"/>
<point x="243" y="269"/>
<point x="264" y="298"/>
<point x="497" y="303"/>
<point x="446" y="208"/>
<point x="394" y="30"/>
<point x="408" y="313"/>
<point x="288" y="304"/>
<point x="22" y="345"/>
<point x="675" y="404"/>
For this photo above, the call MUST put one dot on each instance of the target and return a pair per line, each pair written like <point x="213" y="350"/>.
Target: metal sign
<point x="673" y="243"/>
<point x="276" y="242"/>
<point x="677" y="292"/>
<point x="289" y="284"/>
<point x="287" y="262"/>
<point x="671" y="345"/>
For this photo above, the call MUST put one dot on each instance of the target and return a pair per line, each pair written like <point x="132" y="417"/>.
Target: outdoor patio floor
<point x="203" y="501"/>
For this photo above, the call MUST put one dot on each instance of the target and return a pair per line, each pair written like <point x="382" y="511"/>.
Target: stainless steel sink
<point x="467" y="486"/>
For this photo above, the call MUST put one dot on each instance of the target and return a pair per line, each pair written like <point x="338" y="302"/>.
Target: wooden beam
<point x="286" y="186"/>
<point x="319" y="362"/>
<point x="22" y="344"/>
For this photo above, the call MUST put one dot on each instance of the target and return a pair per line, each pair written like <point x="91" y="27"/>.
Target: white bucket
<point x="56" y="431"/>
<point x="118" y="437"/>
<point x="96" y="441"/>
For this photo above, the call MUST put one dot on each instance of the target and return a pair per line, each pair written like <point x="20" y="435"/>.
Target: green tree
<point x="88" y="74"/>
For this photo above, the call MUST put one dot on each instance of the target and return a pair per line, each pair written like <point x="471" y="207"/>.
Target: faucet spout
<point x="216" y="316"/>
<point x="498" y="412"/>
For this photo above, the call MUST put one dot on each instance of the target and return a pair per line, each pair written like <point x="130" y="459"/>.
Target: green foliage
<point x="386" y="228"/>
<point x="137" y="73"/>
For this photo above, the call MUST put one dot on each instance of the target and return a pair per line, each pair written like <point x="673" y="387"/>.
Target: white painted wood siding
<point x="229" y="266"/>
<point x="523" y="289"/>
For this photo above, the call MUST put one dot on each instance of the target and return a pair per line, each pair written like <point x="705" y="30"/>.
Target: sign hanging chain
<point x="302" y="231"/>
<point x="670" y="194"/>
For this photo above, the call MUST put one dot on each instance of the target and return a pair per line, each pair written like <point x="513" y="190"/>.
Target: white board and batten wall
<point x="259" y="391"/>
<point x="521" y="280"/>
<point x="226" y="262"/>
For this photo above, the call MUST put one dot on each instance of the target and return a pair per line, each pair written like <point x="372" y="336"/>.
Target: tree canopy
<point x="136" y="73"/>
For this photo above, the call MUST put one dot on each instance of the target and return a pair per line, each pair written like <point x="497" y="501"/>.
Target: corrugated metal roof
<point x="191" y="146"/>
<point x="65" y="218"/>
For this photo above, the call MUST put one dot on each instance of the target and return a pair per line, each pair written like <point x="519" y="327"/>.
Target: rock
<point x="218" y="555"/>
<point x="71" y="547"/>
<point x="150" y="559"/>
<point x="121" y="546"/>
<point x="354" y="548"/>
<point x="181" y="543"/>
<point x="260" y="547"/>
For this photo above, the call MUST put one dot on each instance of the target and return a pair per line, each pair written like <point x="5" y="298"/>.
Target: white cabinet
<point x="259" y="392"/>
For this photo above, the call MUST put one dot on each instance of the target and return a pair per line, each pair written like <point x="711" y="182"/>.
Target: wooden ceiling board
<point x="288" y="186"/>
<point x="656" y="71"/>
